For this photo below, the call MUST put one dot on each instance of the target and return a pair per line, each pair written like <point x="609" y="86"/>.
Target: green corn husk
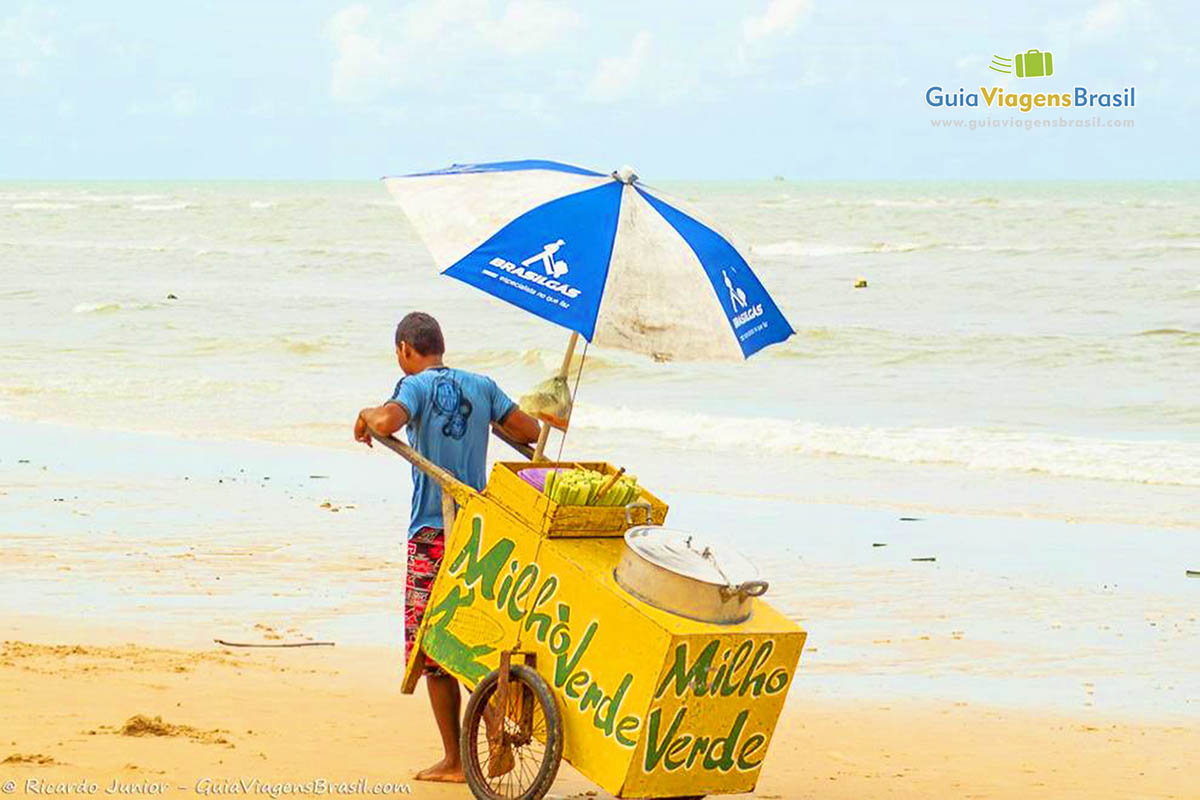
<point x="581" y="487"/>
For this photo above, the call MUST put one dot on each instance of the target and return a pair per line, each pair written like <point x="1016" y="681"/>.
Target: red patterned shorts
<point x="425" y="550"/>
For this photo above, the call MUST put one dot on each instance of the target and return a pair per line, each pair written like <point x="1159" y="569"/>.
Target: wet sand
<point x="192" y="719"/>
<point x="1034" y="658"/>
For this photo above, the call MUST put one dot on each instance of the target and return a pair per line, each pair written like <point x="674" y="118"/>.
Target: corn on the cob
<point x="580" y="487"/>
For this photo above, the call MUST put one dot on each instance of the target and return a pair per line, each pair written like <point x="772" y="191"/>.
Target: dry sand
<point x="143" y="715"/>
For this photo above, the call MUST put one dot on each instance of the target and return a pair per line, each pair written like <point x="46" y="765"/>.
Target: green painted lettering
<point x="574" y="687"/>
<point x="521" y="590"/>
<point x="777" y="681"/>
<point x="591" y="697"/>
<point x="485" y="569"/>
<point x="656" y="748"/>
<point x="724" y="762"/>
<point x="748" y="749"/>
<point x="675" y="748"/>
<point x="563" y="666"/>
<point x="685" y="676"/>
<point x="627" y="725"/>
<point x="729" y="686"/>
<point x="757" y="680"/>
<point x="606" y="713"/>
<point x="540" y="618"/>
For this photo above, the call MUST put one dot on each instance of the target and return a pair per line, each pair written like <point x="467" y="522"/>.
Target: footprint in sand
<point x="267" y="631"/>
<point x="140" y="725"/>
<point x="36" y="759"/>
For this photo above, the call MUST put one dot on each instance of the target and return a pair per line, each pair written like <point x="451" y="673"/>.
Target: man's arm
<point x="520" y="427"/>
<point x="384" y="420"/>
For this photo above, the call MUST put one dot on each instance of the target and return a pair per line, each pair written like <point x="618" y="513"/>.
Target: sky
<point x="737" y="89"/>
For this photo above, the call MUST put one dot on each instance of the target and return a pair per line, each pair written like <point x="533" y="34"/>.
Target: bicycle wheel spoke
<point x="521" y="733"/>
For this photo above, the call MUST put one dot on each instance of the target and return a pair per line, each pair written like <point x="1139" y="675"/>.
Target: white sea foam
<point x="109" y="306"/>
<point x="1170" y="463"/>
<point x="43" y="206"/>
<point x="820" y="249"/>
<point x="96" y="308"/>
<point x="122" y="198"/>
<point x="160" y="206"/>
<point x="262" y="204"/>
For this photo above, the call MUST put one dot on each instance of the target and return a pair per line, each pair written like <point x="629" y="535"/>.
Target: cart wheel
<point x="512" y="753"/>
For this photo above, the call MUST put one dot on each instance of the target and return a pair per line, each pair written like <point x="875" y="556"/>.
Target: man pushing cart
<point x="585" y="630"/>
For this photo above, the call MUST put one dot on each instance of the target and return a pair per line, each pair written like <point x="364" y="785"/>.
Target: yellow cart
<point x="565" y="663"/>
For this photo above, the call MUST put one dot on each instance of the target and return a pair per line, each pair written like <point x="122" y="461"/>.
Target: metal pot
<point x="688" y="574"/>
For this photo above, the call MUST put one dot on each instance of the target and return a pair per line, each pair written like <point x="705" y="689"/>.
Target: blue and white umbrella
<point x="601" y="255"/>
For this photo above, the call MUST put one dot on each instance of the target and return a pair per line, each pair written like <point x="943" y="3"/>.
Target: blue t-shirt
<point x="449" y="417"/>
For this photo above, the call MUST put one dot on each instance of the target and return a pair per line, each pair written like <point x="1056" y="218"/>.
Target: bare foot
<point x="443" y="772"/>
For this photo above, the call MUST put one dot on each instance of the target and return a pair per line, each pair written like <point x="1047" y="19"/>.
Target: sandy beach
<point x="887" y="315"/>
<point x="973" y="484"/>
<point x="995" y="671"/>
<point x="192" y="721"/>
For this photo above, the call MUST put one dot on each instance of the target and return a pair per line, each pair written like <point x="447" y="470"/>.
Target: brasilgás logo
<point x="552" y="269"/>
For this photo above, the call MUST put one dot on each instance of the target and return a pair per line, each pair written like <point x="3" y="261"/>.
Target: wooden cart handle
<point x="451" y="485"/>
<point x="520" y="447"/>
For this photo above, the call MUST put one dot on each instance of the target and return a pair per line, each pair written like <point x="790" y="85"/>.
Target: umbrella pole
<point x="562" y="372"/>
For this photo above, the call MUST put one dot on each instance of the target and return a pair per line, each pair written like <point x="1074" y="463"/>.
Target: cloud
<point x="180" y="102"/>
<point x="1104" y="18"/>
<point x="359" y="63"/>
<point x="431" y="41"/>
<point x="527" y="26"/>
<point x="24" y="44"/>
<point x="779" y="17"/>
<point x="617" y="76"/>
<point x="183" y="102"/>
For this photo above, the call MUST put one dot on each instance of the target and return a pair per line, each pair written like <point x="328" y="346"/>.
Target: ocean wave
<point x="148" y="247"/>
<point x="1170" y="463"/>
<point x="160" y="206"/>
<point x="304" y="347"/>
<point x="1175" y="335"/>
<point x="1167" y="332"/>
<point x="43" y="206"/>
<point x="96" y="308"/>
<point x="547" y="360"/>
<point x="121" y="198"/>
<point x="819" y="250"/>
<point x="110" y="306"/>
<point x="262" y="204"/>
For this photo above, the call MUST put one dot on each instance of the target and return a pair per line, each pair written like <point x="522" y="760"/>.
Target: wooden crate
<point x="551" y="519"/>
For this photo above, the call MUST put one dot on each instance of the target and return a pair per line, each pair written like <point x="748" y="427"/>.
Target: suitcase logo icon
<point x="1030" y="64"/>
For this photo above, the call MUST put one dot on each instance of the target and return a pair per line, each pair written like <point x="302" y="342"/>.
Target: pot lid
<point x="692" y="555"/>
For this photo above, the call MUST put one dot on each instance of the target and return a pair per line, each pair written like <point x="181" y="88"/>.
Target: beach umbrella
<point x="602" y="255"/>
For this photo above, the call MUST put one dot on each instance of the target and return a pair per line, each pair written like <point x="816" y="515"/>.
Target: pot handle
<point x="753" y="588"/>
<point x="638" y="504"/>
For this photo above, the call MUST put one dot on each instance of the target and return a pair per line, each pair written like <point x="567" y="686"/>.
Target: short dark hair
<point x="422" y="333"/>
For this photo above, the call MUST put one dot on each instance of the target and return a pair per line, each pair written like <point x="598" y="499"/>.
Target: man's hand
<point x="384" y="421"/>
<point x="361" y="433"/>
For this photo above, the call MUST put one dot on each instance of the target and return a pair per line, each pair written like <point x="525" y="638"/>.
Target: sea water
<point x="1019" y="347"/>
<point x="1016" y="393"/>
